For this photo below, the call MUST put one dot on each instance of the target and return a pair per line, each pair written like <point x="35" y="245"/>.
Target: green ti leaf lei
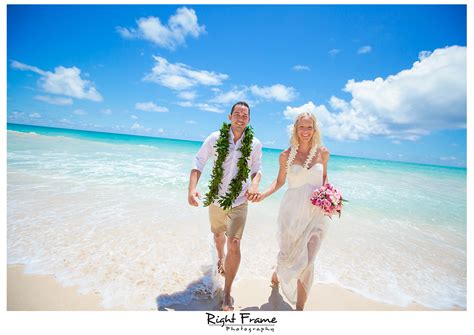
<point x="235" y="186"/>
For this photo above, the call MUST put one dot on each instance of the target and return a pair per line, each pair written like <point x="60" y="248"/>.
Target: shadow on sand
<point x="275" y="303"/>
<point x="198" y="297"/>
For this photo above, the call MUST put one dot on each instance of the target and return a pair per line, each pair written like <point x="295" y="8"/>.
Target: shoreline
<point x="31" y="292"/>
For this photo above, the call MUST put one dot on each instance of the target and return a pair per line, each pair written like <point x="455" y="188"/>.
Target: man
<point x="237" y="153"/>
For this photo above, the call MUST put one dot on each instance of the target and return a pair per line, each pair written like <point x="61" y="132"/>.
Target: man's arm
<point x="198" y="165"/>
<point x="192" y="193"/>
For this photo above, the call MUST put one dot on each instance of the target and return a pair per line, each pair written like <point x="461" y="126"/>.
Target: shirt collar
<point x="231" y="137"/>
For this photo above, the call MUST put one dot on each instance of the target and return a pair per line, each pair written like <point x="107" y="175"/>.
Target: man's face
<point x="239" y="118"/>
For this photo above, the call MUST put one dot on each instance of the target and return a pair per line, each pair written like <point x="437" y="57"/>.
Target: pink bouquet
<point x="329" y="199"/>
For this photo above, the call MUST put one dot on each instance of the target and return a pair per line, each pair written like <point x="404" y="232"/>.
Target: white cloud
<point x="276" y="92"/>
<point x="364" y="50"/>
<point x="334" y="52"/>
<point x="209" y="108"/>
<point x="190" y="122"/>
<point x="150" y="107"/>
<point x="185" y="104"/>
<point x="180" y="76"/>
<point x="16" y="115"/>
<point x="187" y="95"/>
<point x="24" y="67"/>
<point x="35" y="115"/>
<point x="79" y="112"/>
<point x="429" y="96"/>
<point x="342" y="126"/>
<point x="180" y="25"/>
<point x="448" y="158"/>
<point x="134" y="117"/>
<point x="230" y="96"/>
<point x="66" y="121"/>
<point x="161" y="131"/>
<point x="301" y="68"/>
<point x="137" y="126"/>
<point x="63" y="81"/>
<point x="202" y="106"/>
<point x="54" y="100"/>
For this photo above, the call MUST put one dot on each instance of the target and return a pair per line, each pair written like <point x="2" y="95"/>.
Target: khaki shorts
<point x="231" y="221"/>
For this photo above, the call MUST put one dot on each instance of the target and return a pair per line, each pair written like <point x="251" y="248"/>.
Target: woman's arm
<point x="325" y="159"/>
<point x="281" y="178"/>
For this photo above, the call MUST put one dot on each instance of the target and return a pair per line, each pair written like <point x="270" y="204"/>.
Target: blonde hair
<point x="315" y="140"/>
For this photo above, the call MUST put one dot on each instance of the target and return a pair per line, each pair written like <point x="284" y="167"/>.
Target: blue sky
<point x="385" y="82"/>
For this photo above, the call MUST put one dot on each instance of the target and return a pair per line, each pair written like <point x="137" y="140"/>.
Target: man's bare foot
<point x="275" y="281"/>
<point x="227" y="303"/>
<point x="220" y="267"/>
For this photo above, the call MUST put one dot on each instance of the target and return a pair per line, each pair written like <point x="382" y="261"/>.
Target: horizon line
<point x="200" y="141"/>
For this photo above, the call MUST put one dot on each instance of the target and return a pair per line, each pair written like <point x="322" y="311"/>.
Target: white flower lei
<point x="310" y="157"/>
<point x="292" y="156"/>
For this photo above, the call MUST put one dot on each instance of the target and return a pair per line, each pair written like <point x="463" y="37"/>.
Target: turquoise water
<point x="401" y="239"/>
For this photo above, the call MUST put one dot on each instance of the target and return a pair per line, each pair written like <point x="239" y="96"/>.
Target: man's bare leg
<point x="232" y="262"/>
<point x="219" y="241"/>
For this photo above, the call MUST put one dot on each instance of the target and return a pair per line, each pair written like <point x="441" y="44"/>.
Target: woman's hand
<point x="258" y="197"/>
<point x="324" y="154"/>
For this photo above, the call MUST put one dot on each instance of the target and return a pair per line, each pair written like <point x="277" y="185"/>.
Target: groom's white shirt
<point x="230" y="164"/>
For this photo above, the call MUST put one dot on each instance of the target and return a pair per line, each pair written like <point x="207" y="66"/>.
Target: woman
<point x="301" y="225"/>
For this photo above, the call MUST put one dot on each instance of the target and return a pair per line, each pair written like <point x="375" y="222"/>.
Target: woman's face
<point x="305" y="130"/>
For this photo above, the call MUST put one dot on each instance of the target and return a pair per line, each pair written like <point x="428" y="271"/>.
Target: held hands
<point x="192" y="198"/>
<point x="253" y="194"/>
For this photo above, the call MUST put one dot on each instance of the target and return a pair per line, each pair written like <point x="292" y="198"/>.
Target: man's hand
<point x="252" y="193"/>
<point x="192" y="198"/>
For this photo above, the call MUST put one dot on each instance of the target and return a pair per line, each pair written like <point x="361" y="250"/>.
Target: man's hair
<point x="241" y="103"/>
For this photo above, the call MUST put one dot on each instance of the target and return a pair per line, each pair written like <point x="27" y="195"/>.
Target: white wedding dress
<point x="301" y="229"/>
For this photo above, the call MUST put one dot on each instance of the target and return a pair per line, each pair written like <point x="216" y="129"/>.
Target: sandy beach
<point x="109" y="221"/>
<point x="44" y="293"/>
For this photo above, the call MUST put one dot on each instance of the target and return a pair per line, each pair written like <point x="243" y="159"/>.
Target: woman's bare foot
<point x="275" y="281"/>
<point x="299" y="307"/>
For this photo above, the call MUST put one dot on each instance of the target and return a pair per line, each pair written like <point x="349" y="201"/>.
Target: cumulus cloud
<point x="35" y="115"/>
<point x="334" y="52"/>
<point x="231" y="96"/>
<point x="180" y="76"/>
<point x="182" y="24"/>
<point x="364" y="50"/>
<point x="187" y="95"/>
<point x="136" y="126"/>
<point x="54" y="100"/>
<point x="202" y="106"/>
<point x="429" y="96"/>
<point x="63" y="81"/>
<point x="150" y="107"/>
<point x="276" y="92"/>
<point x="301" y="68"/>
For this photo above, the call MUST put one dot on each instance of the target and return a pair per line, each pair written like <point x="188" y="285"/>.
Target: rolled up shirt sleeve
<point x="256" y="166"/>
<point x="204" y="153"/>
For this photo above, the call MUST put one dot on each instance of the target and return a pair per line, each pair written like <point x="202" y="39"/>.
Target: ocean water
<point x="109" y="213"/>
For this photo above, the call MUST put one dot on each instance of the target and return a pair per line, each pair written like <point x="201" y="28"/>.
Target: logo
<point x="242" y="321"/>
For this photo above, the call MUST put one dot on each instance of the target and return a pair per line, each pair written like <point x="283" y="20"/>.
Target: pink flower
<point x="329" y="199"/>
